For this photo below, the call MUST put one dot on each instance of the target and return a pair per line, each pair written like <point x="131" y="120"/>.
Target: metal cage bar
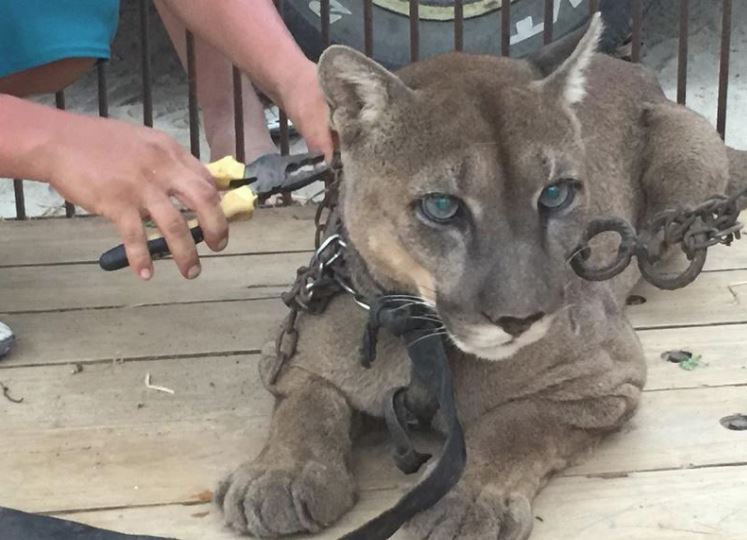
<point x="548" y="22"/>
<point x="506" y="28"/>
<point x="368" y="42"/>
<point x="723" y="78"/>
<point x="238" y="114"/>
<point x="682" y="52"/>
<point x="20" y="199"/>
<point x="593" y="6"/>
<point x="635" y="6"/>
<point x="325" y="14"/>
<point x="102" y="89"/>
<point x="59" y="100"/>
<point x="145" y="63"/>
<point x="414" y="30"/>
<point x="194" y="111"/>
<point x="458" y="25"/>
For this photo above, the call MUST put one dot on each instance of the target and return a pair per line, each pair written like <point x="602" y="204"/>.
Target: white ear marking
<point x="572" y="73"/>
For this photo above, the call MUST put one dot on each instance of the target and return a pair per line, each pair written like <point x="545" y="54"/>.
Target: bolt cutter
<point x="268" y="175"/>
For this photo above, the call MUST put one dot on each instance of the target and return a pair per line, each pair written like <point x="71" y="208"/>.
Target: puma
<point x="468" y="180"/>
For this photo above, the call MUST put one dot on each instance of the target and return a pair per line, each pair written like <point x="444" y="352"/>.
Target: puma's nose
<point x="515" y="326"/>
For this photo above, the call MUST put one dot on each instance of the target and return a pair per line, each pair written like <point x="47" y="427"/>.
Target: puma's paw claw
<point x="271" y="501"/>
<point x="477" y="513"/>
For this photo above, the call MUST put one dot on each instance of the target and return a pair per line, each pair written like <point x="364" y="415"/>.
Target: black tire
<point x="482" y="32"/>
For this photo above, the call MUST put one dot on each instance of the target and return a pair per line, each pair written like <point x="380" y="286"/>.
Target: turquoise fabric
<point x="37" y="32"/>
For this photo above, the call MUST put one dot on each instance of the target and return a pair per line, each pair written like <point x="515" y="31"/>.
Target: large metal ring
<point x="672" y="280"/>
<point x="625" y="251"/>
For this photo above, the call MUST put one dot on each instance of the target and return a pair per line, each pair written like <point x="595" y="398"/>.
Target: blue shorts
<point x="37" y="32"/>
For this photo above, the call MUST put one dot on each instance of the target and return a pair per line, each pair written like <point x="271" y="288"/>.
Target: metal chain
<point x="715" y="221"/>
<point x="319" y="281"/>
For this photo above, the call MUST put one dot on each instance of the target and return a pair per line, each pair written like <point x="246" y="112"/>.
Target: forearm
<point x="26" y="134"/>
<point x="252" y="35"/>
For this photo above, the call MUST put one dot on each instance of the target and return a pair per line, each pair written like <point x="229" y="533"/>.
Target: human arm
<point x="118" y="170"/>
<point x="254" y="37"/>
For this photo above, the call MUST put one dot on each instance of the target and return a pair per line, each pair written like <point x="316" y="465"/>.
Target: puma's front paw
<point x="475" y="513"/>
<point x="271" y="500"/>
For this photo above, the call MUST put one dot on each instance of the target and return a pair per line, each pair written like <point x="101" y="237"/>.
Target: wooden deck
<point x="92" y="443"/>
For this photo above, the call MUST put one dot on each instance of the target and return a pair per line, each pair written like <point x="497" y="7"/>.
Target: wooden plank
<point x="142" y="332"/>
<point x="233" y="327"/>
<point x="81" y="441"/>
<point x="708" y="300"/>
<point x="45" y="288"/>
<point x="723" y="350"/>
<point x="668" y="505"/>
<point x="54" y="241"/>
<point x="48" y="288"/>
<point x="699" y="504"/>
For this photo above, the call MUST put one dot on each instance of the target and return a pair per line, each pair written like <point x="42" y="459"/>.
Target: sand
<point x="170" y="89"/>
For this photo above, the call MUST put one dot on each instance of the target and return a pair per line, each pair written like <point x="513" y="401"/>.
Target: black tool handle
<point x="116" y="258"/>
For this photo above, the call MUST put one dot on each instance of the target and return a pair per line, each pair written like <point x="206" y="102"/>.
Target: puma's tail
<point x="737" y="172"/>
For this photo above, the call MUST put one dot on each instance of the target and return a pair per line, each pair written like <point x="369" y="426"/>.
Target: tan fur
<point x="494" y="132"/>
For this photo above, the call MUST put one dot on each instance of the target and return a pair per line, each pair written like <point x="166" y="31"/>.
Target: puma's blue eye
<point x="439" y="208"/>
<point x="557" y="196"/>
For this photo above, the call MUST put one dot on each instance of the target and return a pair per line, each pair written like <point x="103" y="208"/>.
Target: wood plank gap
<point x="624" y="473"/>
<point x="147" y="358"/>
<point x="155" y="304"/>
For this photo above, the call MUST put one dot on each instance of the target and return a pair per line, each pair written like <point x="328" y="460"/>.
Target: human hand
<point x="306" y="107"/>
<point x="126" y="173"/>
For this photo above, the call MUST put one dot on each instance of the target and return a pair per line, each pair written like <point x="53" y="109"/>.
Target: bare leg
<point x="215" y="95"/>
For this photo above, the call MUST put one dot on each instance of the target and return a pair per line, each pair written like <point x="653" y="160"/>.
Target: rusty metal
<point x="682" y="53"/>
<point x="458" y="25"/>
<point x="194" y="111"/>
<point x="145" y="63"/>
<point x="102" y="89"/>
<point x="694" y="230"/>
<point x="723" y="78"/>
<point x="368" y="27"/>
<point x="506" y="28"/>
<point x="414" y="30"/>
<point x="548" y="22"/>
<point x="324" y="13"/>
<point x="637" y="11"/>
<point x="20" y="199"/>
<point x="238" y="114"/>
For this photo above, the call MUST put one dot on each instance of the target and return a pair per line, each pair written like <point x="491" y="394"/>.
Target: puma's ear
<point x="358" y="90"/>
<point x="568" y="80"/>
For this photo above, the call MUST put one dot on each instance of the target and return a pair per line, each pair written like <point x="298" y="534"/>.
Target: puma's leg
<point x="301" y="481"/>
<point x="511" y="453"/>
<point x="684" y="162"/>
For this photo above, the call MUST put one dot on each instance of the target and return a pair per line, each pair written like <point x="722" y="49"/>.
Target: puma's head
<point x="464" y="182"/>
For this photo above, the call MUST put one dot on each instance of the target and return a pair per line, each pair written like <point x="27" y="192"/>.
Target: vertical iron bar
<point x="593" y="6"/>
<point x="284" y="131"/>
<point x="458" y="25"/>
<point x="59" y="99"/>
<point x="635" y="54"/>
<point x="506" y="27"/>
<point x="548" y="24"/>
<point x="368" y="26"/>
<point x="414" y="30"/>
<point x="238" y="114"/>
<point x="723" y="79"/>
<point x="102" y="90"/>
<point x="145" y="60"/>
<point x="682" y="54"/>
<point x="325" y="16"/>
<point x="20" y="199"/>
<point x="194" y="113"/>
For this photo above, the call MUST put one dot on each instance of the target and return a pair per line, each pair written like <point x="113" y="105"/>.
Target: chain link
<point x="716" y="221"/>
<point x="319" y="281"/>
